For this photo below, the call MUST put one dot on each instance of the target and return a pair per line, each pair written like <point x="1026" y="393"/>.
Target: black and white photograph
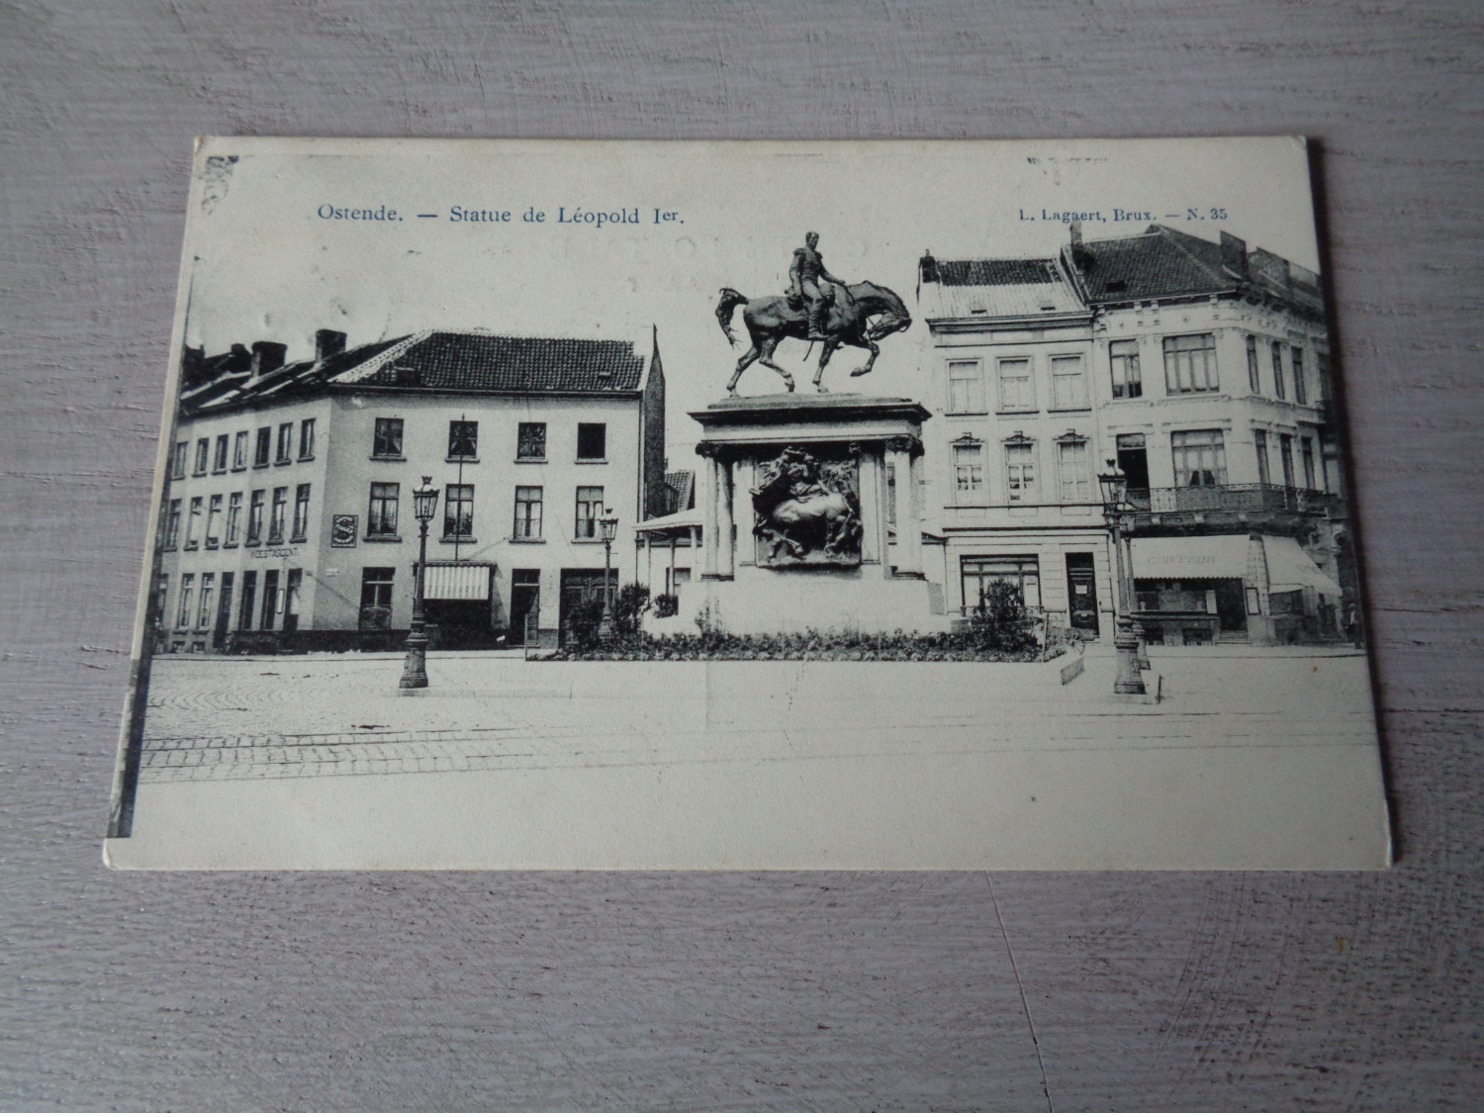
<point x="751" y="505"/>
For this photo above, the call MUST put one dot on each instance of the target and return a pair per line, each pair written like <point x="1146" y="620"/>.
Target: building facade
<point x="1202" y="370"/>
<point x="287" y="518"/>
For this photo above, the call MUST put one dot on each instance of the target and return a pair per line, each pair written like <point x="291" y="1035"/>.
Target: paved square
<point x="319" y="761"/>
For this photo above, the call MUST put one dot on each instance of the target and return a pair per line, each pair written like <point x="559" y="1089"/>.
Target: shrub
<point x="1001" y="621"/>
<point x="584" y="619"/>
<point x="628" y="606"/>
<point x="666" y="605"/>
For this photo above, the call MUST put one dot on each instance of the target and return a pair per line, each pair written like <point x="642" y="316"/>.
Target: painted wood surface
<point x="696" y="991"/>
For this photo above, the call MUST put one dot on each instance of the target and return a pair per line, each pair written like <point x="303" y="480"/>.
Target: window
<point x="1068" y="383"/>
<point x="965" y="387"/>
<point x="1276" y="352"/>
<point x="527" y="512"/>
<point x="172" y="525"/>
<point x="270" y="598"/>
<point x="376" y="596"/>
<point x="458" y="512"/>
<point x="1254" y="378"/>
<point x="1021" y="571"/>
<point x="968" y="471"/>
<point x="239" y="450"/>
<point x="891" y="494"/>
<point x="381" y="521"/>
<point x="234" y="519"/>
<point x="531" y="441"/>
<point x="219" y="458"/>
<point x="306" y="439"/>
<point x="387" y="442"/>
<point x="1285" y="455"/>
<point x="1123" y="356"/>
<point x="255" y="518"/>
<point x="1199" y="458"/>
<point x="301" y="513"/>
<point x="592" y="442"/>
<point x="1306" y="453"/>
<point x="1020" y="471"/>
<point x="193" y="523"/>
<point x="1190" y="363"/>
<point x="179" y="458"/>
<point x="285" y="443"/>
<point x="463" y="440"/>
<point x="1300" y="388"/>
<point x="262" y="446"/>
<point x="213" y="524"/>
<point x="183" y="608"/>
<point x="1017" y="390"/>
<point x="1264" y="467"/>
<point x="208" y="596"/>
<point x="203" y="455"/>
<point x="277" y="516"/>
<point x="1072" y="471"/>
<point x="589" y="509"/>
<point x="249" y="599"/>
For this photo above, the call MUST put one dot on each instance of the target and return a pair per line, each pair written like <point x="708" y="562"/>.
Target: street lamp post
<point x="1114" y="484"/>
<point x="415" y="669"/>
<point x="608" y="525"/>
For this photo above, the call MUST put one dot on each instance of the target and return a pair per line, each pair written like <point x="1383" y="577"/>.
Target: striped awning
<point x="457" y="581"/>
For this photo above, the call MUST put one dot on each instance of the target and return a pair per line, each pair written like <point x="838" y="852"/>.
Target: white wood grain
<point x="694" y="991"/>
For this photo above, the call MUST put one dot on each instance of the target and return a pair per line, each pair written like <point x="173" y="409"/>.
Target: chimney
<point x="192" y="365"/>
<point x="266" y="357"/>
<point x="328" y="343"/>
<point x="928" y="267"/>
<point x="1075" y="228"/>
<point x="1234" y="254"/>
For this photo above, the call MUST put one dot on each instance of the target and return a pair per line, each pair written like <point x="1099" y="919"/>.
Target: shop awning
<point x="457" y="581"/>
<point x="1191" y="556"/>
<point x="1290" y="569"/>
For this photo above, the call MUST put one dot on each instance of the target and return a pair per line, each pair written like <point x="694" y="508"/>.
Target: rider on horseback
<point x="804" y="277"/>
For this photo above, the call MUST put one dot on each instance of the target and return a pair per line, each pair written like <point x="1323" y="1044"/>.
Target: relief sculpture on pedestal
<point x="807" y="510"/>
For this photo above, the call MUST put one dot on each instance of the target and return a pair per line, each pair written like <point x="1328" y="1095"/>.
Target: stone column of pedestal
<point x="710" y="495"/>
<point x="909" y="522"/>
<point x="873" y="509"/>
<point x="726" y="543"/>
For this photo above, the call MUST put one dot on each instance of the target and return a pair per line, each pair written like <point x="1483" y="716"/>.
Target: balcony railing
<point x="1231" y="498"/>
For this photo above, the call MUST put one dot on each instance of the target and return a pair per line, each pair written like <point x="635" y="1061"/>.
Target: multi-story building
<point x="288" y="521"/>
<point x="1202" y="370"/>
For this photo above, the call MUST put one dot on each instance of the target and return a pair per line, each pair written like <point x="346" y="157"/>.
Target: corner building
<point x="287" y="522"/>
<point x="1203" y="370"/>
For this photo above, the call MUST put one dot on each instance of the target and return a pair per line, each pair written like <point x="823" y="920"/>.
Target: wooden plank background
<point x="734" y="991"/>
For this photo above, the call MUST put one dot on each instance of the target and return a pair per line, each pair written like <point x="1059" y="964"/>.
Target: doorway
<point x="1082" y="594"/>
<point x="525" y="602"/>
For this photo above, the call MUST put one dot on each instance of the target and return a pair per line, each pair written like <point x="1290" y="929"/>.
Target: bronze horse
<point x="848" y="322"/>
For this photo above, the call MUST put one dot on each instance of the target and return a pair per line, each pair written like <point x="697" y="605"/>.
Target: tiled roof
<point x="1159" y="263"/>
<point x="496" y="363"/>
<point x="995" y="273"/>
<point x="683" y="482"/>
<point x="1156" y="264"/>
<point x="1011" y="288"/>
<point x="438" y="360"/>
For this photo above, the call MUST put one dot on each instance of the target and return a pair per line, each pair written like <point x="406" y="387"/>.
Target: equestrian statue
<point x="817" y="307"/>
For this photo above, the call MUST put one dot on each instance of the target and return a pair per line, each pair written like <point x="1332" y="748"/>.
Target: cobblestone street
<point x="912" y="732"/>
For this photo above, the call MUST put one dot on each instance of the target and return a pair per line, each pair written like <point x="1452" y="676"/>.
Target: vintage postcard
<point x="566" y="505"/>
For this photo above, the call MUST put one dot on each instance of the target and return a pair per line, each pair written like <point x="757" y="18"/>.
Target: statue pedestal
<point x="811" y="516"/>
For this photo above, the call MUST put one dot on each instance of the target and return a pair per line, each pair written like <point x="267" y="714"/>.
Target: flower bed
<point x="969" y="646"/>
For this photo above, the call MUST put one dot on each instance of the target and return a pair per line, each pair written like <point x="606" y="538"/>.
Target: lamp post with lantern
<point x="608" y="525"/>
<point x="415" y="669"/>
<point x="1116" y="515"/>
